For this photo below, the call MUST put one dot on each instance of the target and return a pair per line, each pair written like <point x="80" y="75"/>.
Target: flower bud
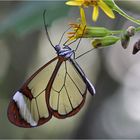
<point x="125" y="41"/>
<point x="105" y="41"/>
<point x="125" y="38"/>
<point x="136" y="47"/>
<point x="96" y="31"/>
<point x="130" y="31"/>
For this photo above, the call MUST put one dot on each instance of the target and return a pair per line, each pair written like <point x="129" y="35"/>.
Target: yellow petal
<point x="74" y="2"/>
<point x="106" y="9"/>
<point x="95" y="13"/>
<point x="71" y="38"/>
<point x="83" y="17"/>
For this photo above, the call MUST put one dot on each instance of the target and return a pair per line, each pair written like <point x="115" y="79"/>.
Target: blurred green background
<point x="115" y="110"/>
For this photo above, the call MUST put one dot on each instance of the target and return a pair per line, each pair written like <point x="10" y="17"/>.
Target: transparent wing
<point x="52" y="90"/>
<point x="28" y="107"/>
<point x="68" y="92"/>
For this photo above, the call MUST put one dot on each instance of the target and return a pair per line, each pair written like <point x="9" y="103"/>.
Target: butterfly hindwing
<point x="68" y="92"/>
<point x="28" y="106"/>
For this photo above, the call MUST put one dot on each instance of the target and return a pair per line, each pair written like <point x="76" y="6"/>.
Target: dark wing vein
<point x="74" y="83"/>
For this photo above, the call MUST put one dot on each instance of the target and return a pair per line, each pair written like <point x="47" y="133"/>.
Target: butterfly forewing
<point x="28" y="107"/>
<point x="70" y="98"/>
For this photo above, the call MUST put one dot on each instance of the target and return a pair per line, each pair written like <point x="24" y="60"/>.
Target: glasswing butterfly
<point x="56" y="89"/>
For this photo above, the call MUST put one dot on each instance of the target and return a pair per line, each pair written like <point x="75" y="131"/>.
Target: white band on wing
<point x="24" y="111"/>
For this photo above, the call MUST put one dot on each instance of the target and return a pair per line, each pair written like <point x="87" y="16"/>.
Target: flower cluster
<point x="95" y="4"/>
<point x="102" y="36"/>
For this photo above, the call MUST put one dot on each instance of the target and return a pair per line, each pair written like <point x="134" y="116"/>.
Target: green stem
<point x="121" y="12"/>
<point x="116" y="32"/>
<point x="121" y="31"/>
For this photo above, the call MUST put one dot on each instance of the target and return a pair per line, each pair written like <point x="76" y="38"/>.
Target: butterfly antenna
<point x="46" y="28"/>
<point x="63" y="35"/>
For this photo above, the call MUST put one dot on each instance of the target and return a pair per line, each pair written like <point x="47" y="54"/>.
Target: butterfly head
<point x="65" y="52"/>
<point x="57" y="48"/>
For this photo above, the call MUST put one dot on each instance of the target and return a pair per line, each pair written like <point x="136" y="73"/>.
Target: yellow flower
<point x="79" y="29"/>
<point x="94" y="3"/>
